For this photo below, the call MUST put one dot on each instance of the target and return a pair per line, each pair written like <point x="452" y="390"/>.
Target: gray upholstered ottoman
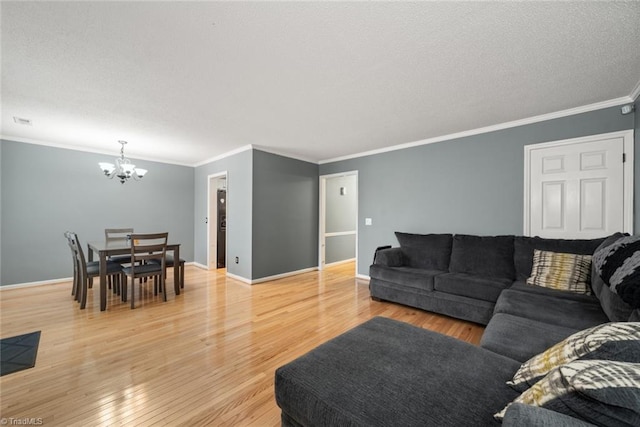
<point x="389" y="373"/>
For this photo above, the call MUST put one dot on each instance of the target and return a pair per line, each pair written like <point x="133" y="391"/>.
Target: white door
<point x="576" y="188"/>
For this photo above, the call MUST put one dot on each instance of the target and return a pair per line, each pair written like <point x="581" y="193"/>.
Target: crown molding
<point x="113" y="153"/>
<point x="635" y="93"/>
<point x="507" y="125"/>
<point x="223" y="155"/>
<point x="284" y="154"/>
<point x="632" y="97"/>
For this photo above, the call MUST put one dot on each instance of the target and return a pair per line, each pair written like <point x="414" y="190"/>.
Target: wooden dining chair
<point x="88" y="270"/>
<point x="118" y="234"/>
<point x="74" y="260"/>
<point x="170" y="263"/>
<point x="144" y="248"/>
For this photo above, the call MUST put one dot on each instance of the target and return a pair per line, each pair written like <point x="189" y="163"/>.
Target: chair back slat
<point x="149" y="246"/>
<point x="111" y="234"/>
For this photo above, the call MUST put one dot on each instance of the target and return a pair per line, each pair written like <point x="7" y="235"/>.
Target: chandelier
<point x="123" y="168"/>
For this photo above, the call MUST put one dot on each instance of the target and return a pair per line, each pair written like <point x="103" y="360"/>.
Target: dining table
<point x="105" y="249"/>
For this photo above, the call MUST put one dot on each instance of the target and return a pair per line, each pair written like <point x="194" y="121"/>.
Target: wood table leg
<point x="103" y="280"/>
<point x="176" y="270"/>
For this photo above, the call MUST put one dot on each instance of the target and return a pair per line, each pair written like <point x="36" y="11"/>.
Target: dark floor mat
<point x="19" y="352"/>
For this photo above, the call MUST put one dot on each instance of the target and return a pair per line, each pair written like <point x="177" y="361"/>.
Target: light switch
<point x="367" y="221"/>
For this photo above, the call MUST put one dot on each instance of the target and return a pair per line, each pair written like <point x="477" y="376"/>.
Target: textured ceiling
<point x="188" y="81"/>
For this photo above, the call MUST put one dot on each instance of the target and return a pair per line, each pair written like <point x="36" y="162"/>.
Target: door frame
<point x="322" y="215"/>
<point x="214" y="221"/>
<point x="627" y="171"/>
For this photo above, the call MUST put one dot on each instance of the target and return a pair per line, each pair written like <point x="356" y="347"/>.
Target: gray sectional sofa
<point x="389" y="373"/>
<point x="459" y="275"/>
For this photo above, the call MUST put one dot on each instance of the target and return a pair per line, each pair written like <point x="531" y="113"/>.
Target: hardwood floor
<point x="206" y="357"/>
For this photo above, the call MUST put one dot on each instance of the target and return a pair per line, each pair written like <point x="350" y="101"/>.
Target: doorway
<point x="217" y="221"/>
<point x="338" y="219"/>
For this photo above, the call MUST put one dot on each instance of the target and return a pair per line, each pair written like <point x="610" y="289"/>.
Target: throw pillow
<point x="597" y="391"/>
<point x="619" y="267"/>
<point x="609" y="341"/>
<point x="566" y="272"/>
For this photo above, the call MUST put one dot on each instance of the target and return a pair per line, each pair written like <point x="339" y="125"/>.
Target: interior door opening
<point x="217" y="221"/>
<point x="338" y="225"/>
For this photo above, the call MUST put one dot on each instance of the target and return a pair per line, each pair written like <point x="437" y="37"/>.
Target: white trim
<point x="541" y="118"/>
<point x="200" y="266"/>
<point x="283" y="275"/>
<point x="340" y="233"/>
<point x="363" y="277"/>
<point x="344" y="261"/>
<point x="635" y="92"/>
<point x="39" y="283"/>
<point x="239" y="278"/>
<point x="628" y="171"/>
<point x="270" y="278"/>
<point x="322" y="212"/>
<point x="283" y="154"/>
<point x="628" y="178"/>
<point x="223" y="155"/>
<point x="111" y="153"/>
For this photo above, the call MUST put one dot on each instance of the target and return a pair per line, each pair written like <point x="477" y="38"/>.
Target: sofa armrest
<point x="389" y="257"/>
<point x="521" y="415"/>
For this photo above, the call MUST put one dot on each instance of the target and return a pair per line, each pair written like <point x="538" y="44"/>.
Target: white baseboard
<point x="197" y="264"/>
<point x="39" y="283"/>
<point x="344" y="261"/>
<point x="240" y="278"/>
<point x="363" y="277"/>
<point x="270" y="278"/>
<point x="283" y="275"/>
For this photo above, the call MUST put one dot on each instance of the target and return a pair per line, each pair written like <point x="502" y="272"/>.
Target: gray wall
<point x="340" y="212"/>
<point x="467" y="185"/>
<point x="285" y="215"/>
<point x="46" y="191"/>
<point x="239" y="168"/>
<point x="1" y="212"/>
<point x="339" y="248"/>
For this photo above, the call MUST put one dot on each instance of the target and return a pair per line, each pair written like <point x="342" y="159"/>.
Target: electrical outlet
<point x="237" y="260"/>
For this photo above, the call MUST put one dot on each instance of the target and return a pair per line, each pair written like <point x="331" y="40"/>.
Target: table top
<point x="114" y="245"/>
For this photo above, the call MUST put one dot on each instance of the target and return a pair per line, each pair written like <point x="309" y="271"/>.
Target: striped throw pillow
<point x="618" y="341"/>
<point x="566" y="272"/>
<point x="598" y="391"/>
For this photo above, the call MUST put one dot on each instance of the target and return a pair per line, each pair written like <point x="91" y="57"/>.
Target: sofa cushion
<point x="610" y="341"/>
<point x="562" y="271"/>
<point x="386" y="372"/>
<point x="520" y="338"/>
<point x="523" y="247"/>
<point x="601" y="392"/>
<point x="486" y="256"/>
<point x="467" y="285"/>
<point x="619" y="267"/>
<point x="405" y="276"/>
<point x="521" y="415"/>
<point x="553" y="293"/>
<point x="556" y="311"/>
<point x="391" y="257"/>
<point x="426" y="251"/>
